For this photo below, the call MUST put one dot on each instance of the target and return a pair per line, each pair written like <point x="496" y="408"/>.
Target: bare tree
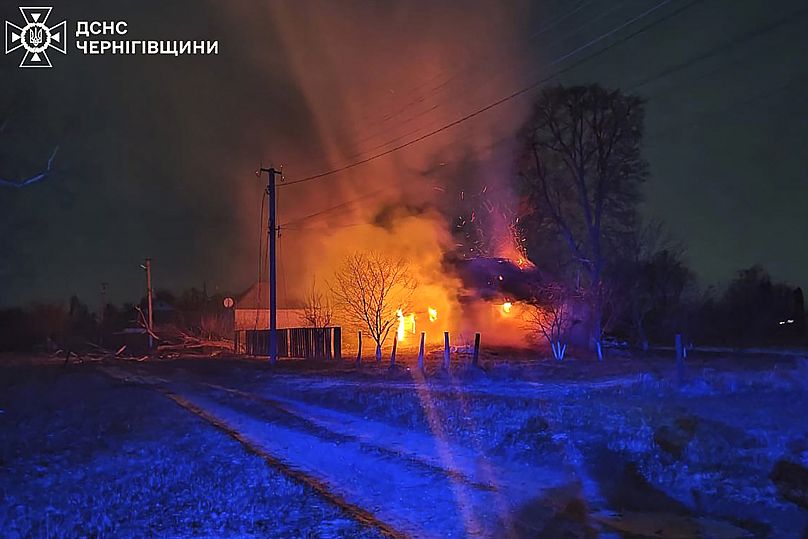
<point x="23" y="182"/>
<point x="317" y="310"/>
<point x="581" y="169"/>
<point x="370" y="288"/>
<point x="550" y="316"/>
<point x="649" y="281"/>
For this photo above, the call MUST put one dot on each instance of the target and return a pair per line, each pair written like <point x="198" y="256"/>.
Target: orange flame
<point x="406" y="324"/>
<point x="400" y="333"/>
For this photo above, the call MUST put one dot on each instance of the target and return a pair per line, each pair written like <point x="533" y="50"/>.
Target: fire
<point x="400" y="325"/>
<point x="512" y="247"/>
<point x="506" y="307"/>
<point x="406" y="324"/>
<point x="433" y="314"/>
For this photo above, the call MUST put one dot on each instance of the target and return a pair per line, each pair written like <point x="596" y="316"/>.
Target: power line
<point x="261" y="261"/>
<point x="467" y="69"/>
<point x="337" y="207"/>
<point x="519" y="92"/>
<point x="283" y="268"/>
<point x="438" y="105"/>
<point x="434" y="91"/>
<point x="330" y="227"/>
<point x="723" y="47"/>
<point x="756" y="32"/>
<point x="734" y="42"/>
<point x="732" y="107"/>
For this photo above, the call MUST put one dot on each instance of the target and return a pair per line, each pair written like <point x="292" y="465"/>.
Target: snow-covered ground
<point x="520" y="449"/>
<point x="83" y="455"/>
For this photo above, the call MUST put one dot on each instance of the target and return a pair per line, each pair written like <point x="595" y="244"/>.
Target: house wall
<point x="259" y="319"/>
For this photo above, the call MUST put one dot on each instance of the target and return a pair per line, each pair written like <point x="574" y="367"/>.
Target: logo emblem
<point x="36" y="37"/>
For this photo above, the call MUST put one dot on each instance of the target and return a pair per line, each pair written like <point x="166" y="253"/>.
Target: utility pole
<point x="273" y="285"/>
<point x="147" y="267"/>
<point x="102" y="313"/>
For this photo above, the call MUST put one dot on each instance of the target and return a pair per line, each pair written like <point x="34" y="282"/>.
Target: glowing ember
<point x="433" y="314"/>
<point x="506" y="307"/>
<point x="513" y="248"/>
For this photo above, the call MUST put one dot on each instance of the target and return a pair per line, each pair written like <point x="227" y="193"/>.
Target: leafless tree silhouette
<point x="550" y="316"/>
<point x="370" y="288"/>
<point x="23" y="182"/>
<point x="317" y="310"/>
<point x="581" y="168"/>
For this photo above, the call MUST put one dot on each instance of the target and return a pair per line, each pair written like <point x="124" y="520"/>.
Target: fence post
<point x="393" y="354"/>
<point x="359" y="352"/>
<point x="680" y="359"/>
<point x="338" y="343"/>
<point x="421" y="353"/>
<point x="446" y="350"/>
<point x="476" y="356"/>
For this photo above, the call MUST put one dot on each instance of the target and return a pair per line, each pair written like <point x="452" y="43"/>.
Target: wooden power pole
<point x="147" y="267"/>
<point x="102" y="312"/>
<point x="273" y="285"/>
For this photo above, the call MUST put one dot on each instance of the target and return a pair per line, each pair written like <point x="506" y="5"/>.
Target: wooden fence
<point x="299" y="343"/>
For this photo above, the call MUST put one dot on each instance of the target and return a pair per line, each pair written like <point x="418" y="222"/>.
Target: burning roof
<point x="497" y="279"/>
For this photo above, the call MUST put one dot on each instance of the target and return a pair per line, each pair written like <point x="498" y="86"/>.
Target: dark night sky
<point x="156" y="153"/>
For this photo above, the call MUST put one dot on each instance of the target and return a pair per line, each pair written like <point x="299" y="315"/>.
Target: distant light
<point x="790" y="321"/>
<point x="228" y="303"/>
<point x="506" y="307"/>
<point x="501" y="278"/>
<point x="782" y="322"/>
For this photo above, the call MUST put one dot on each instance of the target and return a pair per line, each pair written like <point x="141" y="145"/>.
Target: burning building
<point x="498" y="280"/>
<point x="416" y="204"/>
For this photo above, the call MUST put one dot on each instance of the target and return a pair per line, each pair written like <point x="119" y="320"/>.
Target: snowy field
<point x="234" y="448"/>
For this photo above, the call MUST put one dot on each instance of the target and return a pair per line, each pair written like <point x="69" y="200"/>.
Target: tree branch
<point x="33" y="179"/>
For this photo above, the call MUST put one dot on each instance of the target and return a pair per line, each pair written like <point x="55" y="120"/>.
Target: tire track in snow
<point x="356" y="512"/>
<point x="417" y="496"/>
<point x="318" y="427"/>
<point x="414" y="501"/>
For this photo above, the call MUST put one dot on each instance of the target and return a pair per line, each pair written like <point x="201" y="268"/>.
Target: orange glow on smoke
<point x="350" y="112"/>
